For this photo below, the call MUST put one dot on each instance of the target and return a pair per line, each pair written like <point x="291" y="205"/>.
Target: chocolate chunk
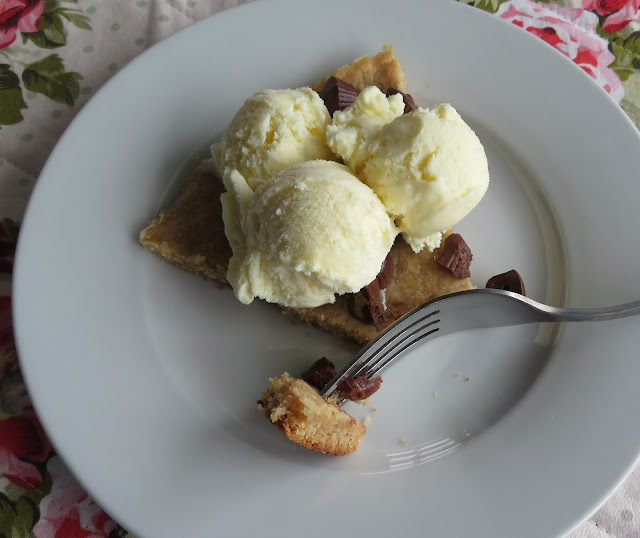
<point x="359" y="388"/>
<point x="367" y="305"/>
<point x="387" y="272"/>
<point x="319" y="373"/>
<point x="509" y="281"/>
<point x="338" y="94"/>
<point x="409" y="103"/>
<point x="456" y="256"/>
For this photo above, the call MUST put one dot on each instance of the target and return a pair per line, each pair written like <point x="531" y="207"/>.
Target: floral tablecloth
<point x="55" y="54"/>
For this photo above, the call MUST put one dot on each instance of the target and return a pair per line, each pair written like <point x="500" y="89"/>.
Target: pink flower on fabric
<point x="572" y="32"/>
<point x="68" y="510"/>
<point x="18" y="16"/>
<point x="22" y="439"/>
<point x="21" y="473"/>
<point x="620" y="12"/>
<point x="22" y="443"/>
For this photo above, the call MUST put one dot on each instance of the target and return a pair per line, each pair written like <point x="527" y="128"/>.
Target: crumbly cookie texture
<point x="382" y="70"/>
<point x="190" y="232"/>
<point x="298" y="411"/>
<point x="418" y="279"/>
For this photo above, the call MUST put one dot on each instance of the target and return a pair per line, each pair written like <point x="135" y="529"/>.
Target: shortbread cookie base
<point x="382" y="70"/>
<point x="298" y="411"/>
<point x="190" y="232"/>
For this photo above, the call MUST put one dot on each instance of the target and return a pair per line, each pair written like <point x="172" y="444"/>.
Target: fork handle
<point x="552" y="313"/>
<point x="485" y="308"/>
<point x="474" y="309"/>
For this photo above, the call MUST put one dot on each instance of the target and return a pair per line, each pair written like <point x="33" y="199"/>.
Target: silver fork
<point x="470" y="309"/>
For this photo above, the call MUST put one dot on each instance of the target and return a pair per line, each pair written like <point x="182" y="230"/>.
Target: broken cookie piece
<point x="298" y="411"/>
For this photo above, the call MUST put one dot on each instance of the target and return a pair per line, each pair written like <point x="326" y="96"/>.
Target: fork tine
<point x="396" y="347"/>
<point x="390" y="344"/>
<point x="379" y="349"/>
<point x="397" y="353"/>
<point x="462" y="310"/>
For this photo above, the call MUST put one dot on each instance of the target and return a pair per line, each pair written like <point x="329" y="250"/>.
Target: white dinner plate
<point x="146" y="377"/>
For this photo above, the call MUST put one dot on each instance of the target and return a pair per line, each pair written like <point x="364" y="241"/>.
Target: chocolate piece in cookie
<point x="338" y="94"/>
<point x="456" y="256"/>
<point x="368" y="304"/>
<point x="409" y="103"/>
<point x="190" y="232"/>
<point x="509" y="281"/>
<point x="387" y="272"/>
<point x="359" y="388"/>
<point x="319" y="373"/>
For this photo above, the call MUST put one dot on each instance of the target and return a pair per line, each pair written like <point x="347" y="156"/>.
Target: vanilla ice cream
<point x="312" y="231"/>
<point x="428" y="166"/>
<point x="273" y="130"/>
<point x="429" y="169"/>
<point x="351" y="131"/>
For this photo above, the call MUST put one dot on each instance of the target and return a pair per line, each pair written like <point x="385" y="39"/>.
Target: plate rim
<point x="119" y="76"/>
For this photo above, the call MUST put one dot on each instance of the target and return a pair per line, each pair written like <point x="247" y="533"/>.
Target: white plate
<point x="146" y="377"/>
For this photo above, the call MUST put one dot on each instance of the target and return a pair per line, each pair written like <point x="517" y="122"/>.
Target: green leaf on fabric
<point x="631" y="101"/>
<point x="35" y="495"/>
<point x="632" y="43"/>
<point x="10" y="227"/>
<point x="48" y="77"/>
<point x="620" y="35"/>
<point x="51" y="33"/>
<point x="11" y="386"/>
<point x="11" y="101"/>
<point x="51" y="5"/>
<point x="76" y="18"/>
<point x="489" y="5"/>
<point x="54" y="29"/>
<point x="18" y="518"/>
<point x="626" y="62"/>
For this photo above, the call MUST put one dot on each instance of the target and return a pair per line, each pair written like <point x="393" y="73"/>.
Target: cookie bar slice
<point x="298" y="411"/>
<point x="190" y="232"/>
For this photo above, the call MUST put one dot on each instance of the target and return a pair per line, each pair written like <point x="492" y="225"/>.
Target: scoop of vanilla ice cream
<point x="312" y="231"/>
<point x="352" y="129"/>
<point x="273" y="130"/>
<point x="429" y="169"/>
